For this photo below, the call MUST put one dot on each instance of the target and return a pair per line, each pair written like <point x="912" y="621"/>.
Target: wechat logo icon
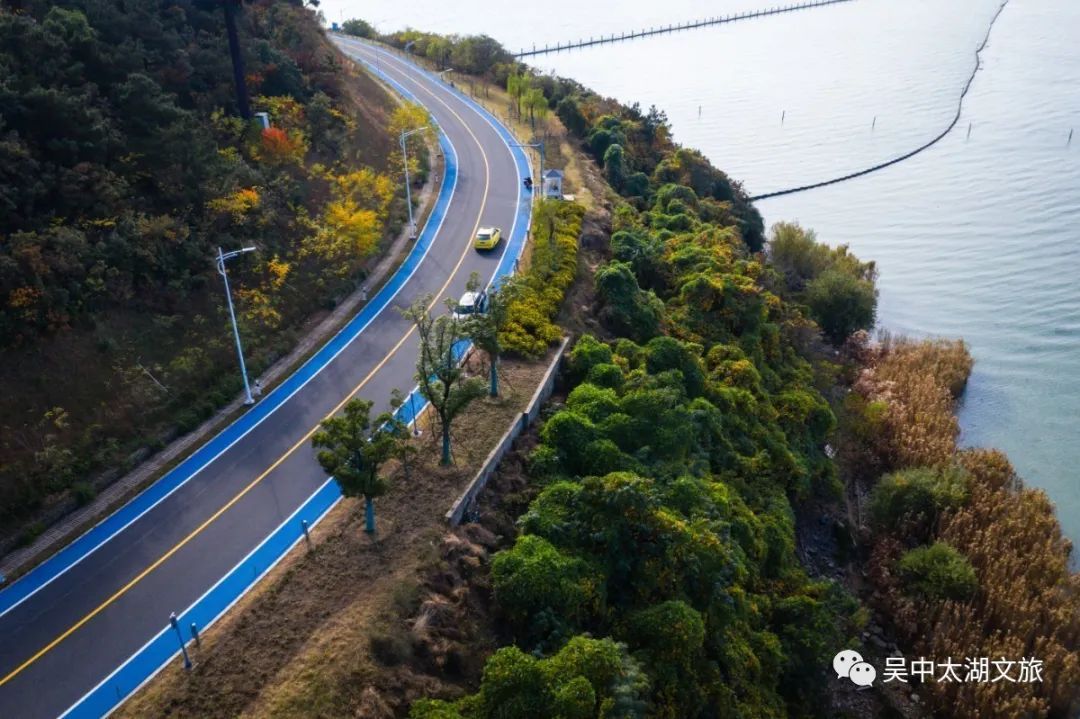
<point x="850" y="664"/>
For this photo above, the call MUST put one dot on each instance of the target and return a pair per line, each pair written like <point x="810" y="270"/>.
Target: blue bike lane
<point x="165" y="645"/>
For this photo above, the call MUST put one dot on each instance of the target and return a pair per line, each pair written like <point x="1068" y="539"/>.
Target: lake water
<point x="977" y="237"/>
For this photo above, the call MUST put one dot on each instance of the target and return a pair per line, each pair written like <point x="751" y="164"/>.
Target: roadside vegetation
<point x="536" y="295"/>
<point x="123" y="166"/>
<point x="655" y="573"/>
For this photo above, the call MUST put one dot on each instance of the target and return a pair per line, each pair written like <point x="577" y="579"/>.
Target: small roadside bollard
<point x="363" y="294"/>
<point x="195" y="635"/>
<point x="180" y="638"/>
<point x="307" y="537"/>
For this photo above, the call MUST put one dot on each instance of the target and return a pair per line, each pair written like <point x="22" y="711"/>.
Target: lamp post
<point x="408" y="191"/>
<point x="539" y="146"/>
<point x="222" y="256"/>
<point x="180" y="637"/>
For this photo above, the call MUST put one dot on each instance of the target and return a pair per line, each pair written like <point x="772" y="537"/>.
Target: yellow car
<point x="487" y="238"/>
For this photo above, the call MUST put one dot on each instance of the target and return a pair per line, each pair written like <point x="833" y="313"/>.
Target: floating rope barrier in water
<point x="956" y="119"/>
<point x="917" y="150"/>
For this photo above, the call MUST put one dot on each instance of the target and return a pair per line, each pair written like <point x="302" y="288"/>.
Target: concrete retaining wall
<point x="462" y="504"/>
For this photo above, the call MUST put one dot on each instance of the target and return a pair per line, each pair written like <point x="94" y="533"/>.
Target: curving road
<point x="68" y="627"/>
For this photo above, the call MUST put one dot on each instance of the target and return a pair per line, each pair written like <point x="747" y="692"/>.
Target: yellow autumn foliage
<point x="352" y="221"/>
<point x="410" y="116"/>
<point x="278" y="270"/>
<point x="236" y="205"/>
<point x="258" y="308"/>
<point x="285" y="111"/>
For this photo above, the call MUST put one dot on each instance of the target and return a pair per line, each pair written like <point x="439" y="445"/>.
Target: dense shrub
<point x="586" y="679"/>
<point x="938" y="572"/>
<point x="531" y="328"/>
<point x="625" y="308"/>
<point x="680" y="545"/>
<point x="586" y="353"/>
<point x="918" y="496"/>
<point x="835" y="286"/>
<point x="535" y="577"/>
<point x="841" y="304"/>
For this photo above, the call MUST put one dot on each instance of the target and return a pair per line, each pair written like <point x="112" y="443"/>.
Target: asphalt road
<point x="67" y="637"/>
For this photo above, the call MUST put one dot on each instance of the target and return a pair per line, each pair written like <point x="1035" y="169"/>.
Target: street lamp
<point x="540" y="147"/>
<point x="408" y="191"/>
<point x="222" y="256"/>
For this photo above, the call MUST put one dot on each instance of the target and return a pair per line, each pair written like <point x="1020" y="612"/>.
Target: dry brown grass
<point x="1028" y="599"/>
<point x="299" y="645"/>
<point x="918" y="381"/>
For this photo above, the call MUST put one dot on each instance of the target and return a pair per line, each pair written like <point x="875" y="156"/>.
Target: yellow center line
<point x="183" y="542"/>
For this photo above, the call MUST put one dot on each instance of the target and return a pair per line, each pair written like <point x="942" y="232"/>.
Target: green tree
<point x="441" y="377"/>
<point x="484" y="328"/>
<point x="477" y="54"/>
<point x="535" y="102"/>
<point x="405" y="451"/>
<point x="569" y="111"/>
<point x="627" y="309"/>
<point x="841" y="303"/>
<point x="516" y="86"/>
<point x="615" y="166"/>
<point x="439" y="50"/>
<point x="352" y="453"/>
<point x="358" y="28"/>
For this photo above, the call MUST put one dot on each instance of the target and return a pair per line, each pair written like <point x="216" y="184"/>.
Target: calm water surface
<point x="977" y="237"/>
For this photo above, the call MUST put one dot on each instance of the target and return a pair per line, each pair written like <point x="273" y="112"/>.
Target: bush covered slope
<point x="123" y="166"/>
<point x="656" y="570"/>
<point x="655" y="574"/>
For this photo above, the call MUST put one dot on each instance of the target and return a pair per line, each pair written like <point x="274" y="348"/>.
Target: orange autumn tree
<point x="278" y="147"/>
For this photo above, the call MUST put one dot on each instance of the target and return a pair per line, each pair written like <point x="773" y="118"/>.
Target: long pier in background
<point x="663" y="29"/>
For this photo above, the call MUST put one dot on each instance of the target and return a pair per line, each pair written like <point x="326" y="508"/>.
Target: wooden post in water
<point x="874" y="123"/>
<point x="969" y="132"/>
<point x="782" y="114"/>
<point x="1069" y="142"/>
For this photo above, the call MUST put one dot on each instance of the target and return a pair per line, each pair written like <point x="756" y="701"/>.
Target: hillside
<point x="738" y="484"/>
<point x="123" y="166"/>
